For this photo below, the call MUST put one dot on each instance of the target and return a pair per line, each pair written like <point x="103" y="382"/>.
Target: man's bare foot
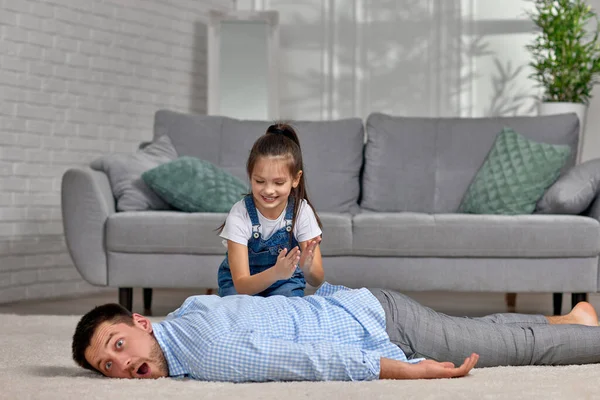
<point x="582" y="314"/>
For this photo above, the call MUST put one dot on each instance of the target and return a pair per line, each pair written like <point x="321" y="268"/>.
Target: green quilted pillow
<point x="514" y="175"/>
<point x="194" y="185"/>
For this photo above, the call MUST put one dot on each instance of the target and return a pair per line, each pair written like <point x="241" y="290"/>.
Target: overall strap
<point x="289" y="214"/>
<point x="249" y="201"/>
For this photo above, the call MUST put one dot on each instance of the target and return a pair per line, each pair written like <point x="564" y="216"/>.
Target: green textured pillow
<point x="194" y="185"/>
<point x="514" y="175"/>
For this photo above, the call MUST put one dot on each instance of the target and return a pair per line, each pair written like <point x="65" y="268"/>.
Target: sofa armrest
<point x="87" y="201"/>
<point x="594" y="210"/>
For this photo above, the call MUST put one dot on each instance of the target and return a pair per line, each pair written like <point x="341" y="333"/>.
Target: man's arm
<point x="428" y="369"/>
<point x="254" y="357"/>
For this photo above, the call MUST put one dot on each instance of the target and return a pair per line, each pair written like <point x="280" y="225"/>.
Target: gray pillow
<point x="573" y="192"/>
<point x="124" y="172"/>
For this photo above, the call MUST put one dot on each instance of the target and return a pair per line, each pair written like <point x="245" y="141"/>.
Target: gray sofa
<point x="387" y="200"/>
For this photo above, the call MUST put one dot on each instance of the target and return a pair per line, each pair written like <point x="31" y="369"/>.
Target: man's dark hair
<point x="113" y="313"/>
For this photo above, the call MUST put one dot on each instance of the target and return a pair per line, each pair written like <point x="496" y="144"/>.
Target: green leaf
<point x="565" y="54"/>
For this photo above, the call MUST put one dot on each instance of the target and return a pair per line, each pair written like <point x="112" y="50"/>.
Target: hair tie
<point x="276" y="130"/>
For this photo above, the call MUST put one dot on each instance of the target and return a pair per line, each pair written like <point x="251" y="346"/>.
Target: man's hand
<point x="427" y="369"/>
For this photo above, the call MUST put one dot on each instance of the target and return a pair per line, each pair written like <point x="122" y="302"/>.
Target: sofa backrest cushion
<point x="332" y="151"/>
<point x="426" y="164"/>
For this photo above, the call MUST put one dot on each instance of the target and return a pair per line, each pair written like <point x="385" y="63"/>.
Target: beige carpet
<point x="35" y="363"/>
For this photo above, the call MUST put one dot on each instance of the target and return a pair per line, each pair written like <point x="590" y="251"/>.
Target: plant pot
<point x="551" y="108"/>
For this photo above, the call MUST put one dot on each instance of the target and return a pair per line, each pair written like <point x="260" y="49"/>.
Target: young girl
<point x="273" y="234"/>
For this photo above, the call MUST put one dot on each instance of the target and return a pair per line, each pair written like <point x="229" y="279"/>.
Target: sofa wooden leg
<point x="577" y="297"/>
<point x="148" y="301"/>
<point x="126" y="297"/>
<point x="557" y="299"/>
<point x="511" y="302"/>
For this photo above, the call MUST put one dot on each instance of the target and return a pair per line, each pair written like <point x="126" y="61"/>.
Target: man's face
<point x="124" y="351"/>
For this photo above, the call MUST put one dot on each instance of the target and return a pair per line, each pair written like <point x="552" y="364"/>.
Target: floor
<point x="167" y="300"/>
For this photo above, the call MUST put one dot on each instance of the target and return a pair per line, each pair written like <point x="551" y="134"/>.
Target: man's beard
<point x="158" y="357"/>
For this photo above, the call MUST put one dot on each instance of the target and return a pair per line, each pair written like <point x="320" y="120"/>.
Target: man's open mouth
<point x="143" y="370"/>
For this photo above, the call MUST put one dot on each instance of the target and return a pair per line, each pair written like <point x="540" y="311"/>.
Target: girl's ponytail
<point x="285" y="130"/>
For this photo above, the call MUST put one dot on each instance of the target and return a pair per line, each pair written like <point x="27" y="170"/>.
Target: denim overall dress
<point x="262" y="255"/>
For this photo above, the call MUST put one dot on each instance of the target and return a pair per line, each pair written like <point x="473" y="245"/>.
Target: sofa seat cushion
<point x="466" y="235"/>
<point x="175" y="232"/>
<point x="165" y="232"/>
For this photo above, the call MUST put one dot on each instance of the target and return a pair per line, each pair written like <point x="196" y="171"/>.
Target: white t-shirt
<point x="238" y="226"/>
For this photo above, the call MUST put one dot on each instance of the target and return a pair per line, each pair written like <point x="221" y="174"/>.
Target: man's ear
<point x="296" y="180"/>
<point x="142" y="322"/>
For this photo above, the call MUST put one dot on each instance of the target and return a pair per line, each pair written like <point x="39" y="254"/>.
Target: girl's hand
<point x="286" y="263"/>
<point x="306" y="259"/>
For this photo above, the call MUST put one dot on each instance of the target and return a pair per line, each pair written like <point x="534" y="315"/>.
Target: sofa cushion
<point x="471" y="235"/>
<point x="426" y="164"/>
<point x="337" y="234"/>
<point x="124" y="173"/>
<point x="456" y="274"/>
<point x="514" y="175"/>
<point x="332" y="151"/>
<point x="194" y="185"/>
<point x="573" y="192"/>
<point x="194" y="233"/>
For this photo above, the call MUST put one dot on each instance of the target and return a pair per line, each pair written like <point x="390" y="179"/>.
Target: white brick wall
<point x="78" y="79"/>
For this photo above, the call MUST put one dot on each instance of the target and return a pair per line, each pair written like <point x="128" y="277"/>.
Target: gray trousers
<point x="499" y="339"/>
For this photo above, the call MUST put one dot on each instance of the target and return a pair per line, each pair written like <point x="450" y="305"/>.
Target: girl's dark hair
<point x="281" y="140"/>
<point x="113" y="313"/>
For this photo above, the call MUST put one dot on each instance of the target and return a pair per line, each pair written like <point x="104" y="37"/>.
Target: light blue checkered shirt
<point x="335" y="334"/>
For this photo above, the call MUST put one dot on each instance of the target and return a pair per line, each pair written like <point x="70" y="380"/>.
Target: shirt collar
<point x="176" y="368"/>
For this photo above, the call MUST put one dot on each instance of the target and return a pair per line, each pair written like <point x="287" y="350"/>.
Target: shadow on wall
<point x="508" y="96"/>
<point x="199" y="88"/>
<point x="404" y="57"/>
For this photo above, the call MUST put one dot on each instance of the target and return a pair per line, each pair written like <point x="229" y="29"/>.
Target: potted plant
<point x="566" y="57"/>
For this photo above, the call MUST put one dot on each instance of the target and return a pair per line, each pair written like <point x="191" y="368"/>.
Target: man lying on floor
<point x="336" y="334"/>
